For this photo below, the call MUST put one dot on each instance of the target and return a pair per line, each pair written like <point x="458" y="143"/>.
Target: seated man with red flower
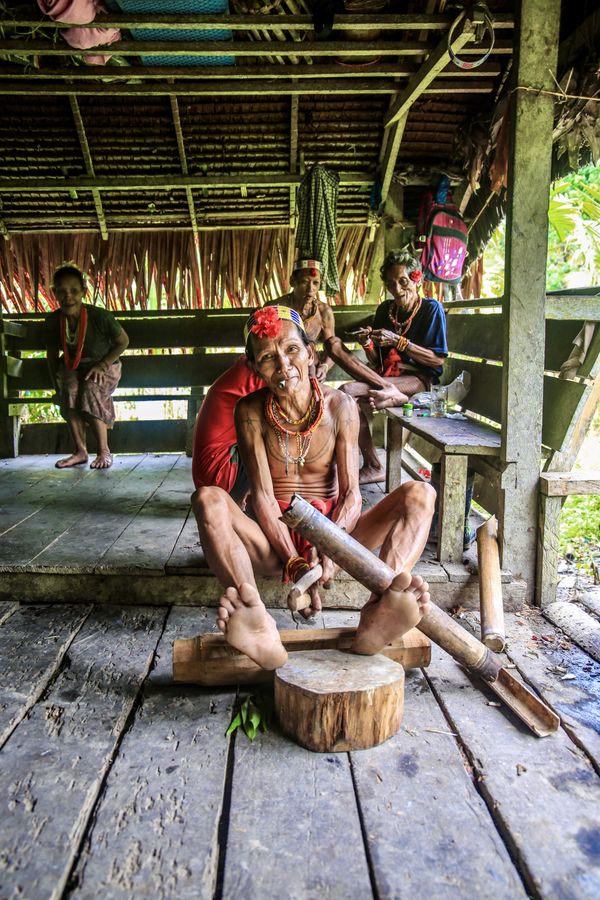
<point x="296" y="435"/>
<point x="215" y="457"/>
<point x="87" y="373"/>
<point x="406" y="346"/>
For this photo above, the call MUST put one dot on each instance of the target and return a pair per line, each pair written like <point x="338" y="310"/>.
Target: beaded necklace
<point x="72" y="364"/>
<point x="313" y="416"/>
<point x="402" y="327"/>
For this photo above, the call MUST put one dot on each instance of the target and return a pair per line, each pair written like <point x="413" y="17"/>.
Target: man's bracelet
<point x="368" y="345"/>
<point x="402" y="344"/>
<point x="293" y="566"/>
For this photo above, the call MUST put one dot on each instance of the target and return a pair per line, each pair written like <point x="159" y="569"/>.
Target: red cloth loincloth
<point x="301" y="544"/>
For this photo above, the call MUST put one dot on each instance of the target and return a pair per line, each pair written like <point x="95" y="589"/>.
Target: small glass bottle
<point x="407" y="410"/>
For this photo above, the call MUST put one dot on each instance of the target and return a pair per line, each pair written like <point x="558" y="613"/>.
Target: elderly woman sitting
<point x="88" y="371"/>
<point x="406" y="346"/>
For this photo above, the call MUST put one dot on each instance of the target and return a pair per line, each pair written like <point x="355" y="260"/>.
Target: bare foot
<point x="75" y="459"/>
<point x="104" y="460"/>
<point x="371" y="475"/>
<point x="248" y="627"/>
<point x="387" y="396"/>
<point x="386" y="618"/>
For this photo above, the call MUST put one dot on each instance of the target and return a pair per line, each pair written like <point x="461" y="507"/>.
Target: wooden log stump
<point x="328" y="700"/>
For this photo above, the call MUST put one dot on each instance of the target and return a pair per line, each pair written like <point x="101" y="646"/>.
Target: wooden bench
<point x="176" y="353"/>
<point x="475" y="328"/>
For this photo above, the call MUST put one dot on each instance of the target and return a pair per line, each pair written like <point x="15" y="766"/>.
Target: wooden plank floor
<point x="128" y="536"/>
<point x="117" y="783"/>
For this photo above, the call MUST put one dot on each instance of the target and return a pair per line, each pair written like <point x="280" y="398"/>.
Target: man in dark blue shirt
<point x="406" y="346"/>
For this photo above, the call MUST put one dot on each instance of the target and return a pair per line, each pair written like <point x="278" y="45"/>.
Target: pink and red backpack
<point x="443" y="236"/>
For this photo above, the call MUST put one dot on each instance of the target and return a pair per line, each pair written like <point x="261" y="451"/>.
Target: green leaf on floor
<point x="252" y="713"/>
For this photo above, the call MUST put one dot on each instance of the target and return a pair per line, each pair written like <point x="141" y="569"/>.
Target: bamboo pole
<point x="493" y="633"/>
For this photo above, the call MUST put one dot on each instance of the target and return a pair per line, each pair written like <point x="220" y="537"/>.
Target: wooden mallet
<point x="299" y="598"/>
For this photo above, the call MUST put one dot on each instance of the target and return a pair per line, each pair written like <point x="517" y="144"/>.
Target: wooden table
<point x="458" y="439"/>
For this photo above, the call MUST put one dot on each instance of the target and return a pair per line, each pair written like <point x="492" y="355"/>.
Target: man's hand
<point x="321" y="372"/>
<point x="96" y="374"/>
<point x="383" y="337"/>
<point x="363" y="335"/>
<point x="329" y="570"/>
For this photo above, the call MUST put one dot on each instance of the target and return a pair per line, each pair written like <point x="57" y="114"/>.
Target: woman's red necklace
<point x="278" y="419"/>
<point x="402" y="327"/>
<point x="72" y="364"/>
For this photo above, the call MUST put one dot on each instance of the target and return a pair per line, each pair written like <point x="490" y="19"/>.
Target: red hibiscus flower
<point x="415" y="275"/>
<point x="267" y="323"/>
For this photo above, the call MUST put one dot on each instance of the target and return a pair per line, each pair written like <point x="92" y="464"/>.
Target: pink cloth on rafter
<point x="81" y="12"/>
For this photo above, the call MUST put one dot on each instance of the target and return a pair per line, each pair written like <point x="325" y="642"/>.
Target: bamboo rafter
<point x="233" y="22"/>
<point x="89" y="165"/>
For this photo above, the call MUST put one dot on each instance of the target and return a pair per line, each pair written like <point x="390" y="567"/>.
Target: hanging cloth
<point x="316" y="232"/>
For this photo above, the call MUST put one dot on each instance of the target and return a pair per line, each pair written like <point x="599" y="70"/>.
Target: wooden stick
<point x="209" y="660"/>
<point x="298" y="597"/>
<point x="493" y="633"/>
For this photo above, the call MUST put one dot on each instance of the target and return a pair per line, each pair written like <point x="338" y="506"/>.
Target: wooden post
<point x="394" y="210"/>
<point x="9" y="425"/>
<point x="394" y="443"/>
<point x="193" y="407"/>
<point x="525" y="279"/>
<point x="546" y="575"/>
<point x="451" y="524"/>
<point x="373" y="292"/>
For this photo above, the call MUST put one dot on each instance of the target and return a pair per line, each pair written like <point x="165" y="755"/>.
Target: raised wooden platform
<point x="127" y="536"/>
<point x="115" y="782"/>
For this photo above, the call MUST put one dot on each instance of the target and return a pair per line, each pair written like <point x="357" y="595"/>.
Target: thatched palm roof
<point x="152" y="150"/>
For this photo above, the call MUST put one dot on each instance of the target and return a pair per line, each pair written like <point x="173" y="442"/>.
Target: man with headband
<point x="215" y="458"/>
<point x="295" y="435"/>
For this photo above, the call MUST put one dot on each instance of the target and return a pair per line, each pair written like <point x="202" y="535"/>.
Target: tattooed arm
<point x="349" y="506"/>
<point x="251" y="444"/>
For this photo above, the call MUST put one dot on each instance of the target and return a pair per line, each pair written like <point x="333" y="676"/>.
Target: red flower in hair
<point x="415" y="275"/>
<point x="267" y="323"/>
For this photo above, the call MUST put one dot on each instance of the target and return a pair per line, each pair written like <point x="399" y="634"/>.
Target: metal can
<point x="407" y="410"/>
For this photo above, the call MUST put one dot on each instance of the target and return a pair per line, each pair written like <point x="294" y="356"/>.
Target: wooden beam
<point x="564" y="484"/>
<point x="294" y="23"/>
<point x="398" y="112"/>
<point x="389" y="154"/>
<point x="573" y="307"/>
<point x="89" y="165"/>
<point x="183" y="160"/>
<point x="525" y="280"/>
<point x="436" y="61"/>
<point x="274" y="87"/>
<point x="388" y="69"/>
<point x="165" y="182"/>
<point x="231" y="48"/>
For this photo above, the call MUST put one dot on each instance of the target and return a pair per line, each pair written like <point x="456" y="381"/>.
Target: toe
<point x="223" y="614"/>
<point x="222" y="625"/>
<point x="226" y="605"/>
<point x="249" y="596"/>
<point x="401" y="581"/>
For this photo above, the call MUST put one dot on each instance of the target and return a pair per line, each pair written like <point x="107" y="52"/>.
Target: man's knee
<point x="208" y="502"/>
<point x="419" y="494"/>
